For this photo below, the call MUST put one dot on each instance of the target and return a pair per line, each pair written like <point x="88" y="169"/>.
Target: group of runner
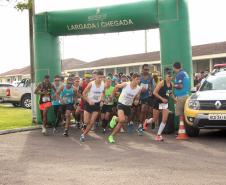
<point x="114" y="101"/>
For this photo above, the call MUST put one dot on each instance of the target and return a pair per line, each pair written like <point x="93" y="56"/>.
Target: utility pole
<point x="31" y="12"/>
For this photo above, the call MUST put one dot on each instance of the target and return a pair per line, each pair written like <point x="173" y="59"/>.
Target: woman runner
<point x="162" y="93"/>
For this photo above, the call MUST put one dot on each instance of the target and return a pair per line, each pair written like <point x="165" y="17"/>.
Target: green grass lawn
<point x="14" y="117"/>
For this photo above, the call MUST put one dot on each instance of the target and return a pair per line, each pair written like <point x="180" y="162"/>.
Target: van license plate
<point x="217" y="117"/>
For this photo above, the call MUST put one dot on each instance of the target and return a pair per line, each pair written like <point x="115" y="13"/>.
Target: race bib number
<point x="46" y="98"/>
<point x="163" y="106"/>
<point x="67" y="99"/>
<point x="128" y="100"/>
<point x="144" y="86"/>
<point x="96" y="97"/>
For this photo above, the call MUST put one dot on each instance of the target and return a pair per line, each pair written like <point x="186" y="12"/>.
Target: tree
<point x="24" y="5"/>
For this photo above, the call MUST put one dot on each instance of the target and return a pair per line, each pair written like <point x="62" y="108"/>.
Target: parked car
<point x="18" y="96"/>
<point x="206" y="108"/>
<point x="3" y="88"/>
<point x="16" y="83"/>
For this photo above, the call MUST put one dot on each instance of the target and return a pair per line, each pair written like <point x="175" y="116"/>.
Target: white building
<point x="203" y="56"/>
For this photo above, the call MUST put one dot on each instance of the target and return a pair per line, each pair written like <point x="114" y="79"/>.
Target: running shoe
<point x="158" y="138"/>
<point x="111" y="139"/>
<point x="84" y="127"/>
<point x="145" y="125"/>
<point x="44" y="131"/>
<point x="82" y="138"/>
<point x="122" y="130"/>
<point x="54" y="130"/>
<point x="140" y="131"/>
<point x="113" y="122"/>
<point x="65" y="133"/>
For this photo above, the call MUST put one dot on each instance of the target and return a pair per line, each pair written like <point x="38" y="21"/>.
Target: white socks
<point x="161" y="128"/>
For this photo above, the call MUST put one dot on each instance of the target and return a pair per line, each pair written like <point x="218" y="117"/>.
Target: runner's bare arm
<point x="118" y="86"/>
<point x="60" y="90"/>
<point x="156" y="91"/>
<point x="178" y="86"/>
<point x="85" y="92"/>
<point x="78" y="94"/>
<point x="173" y="97"/>
<point x="53" y="88"/>
<point x="38" y="89"/>
<point x="137" y="98"/>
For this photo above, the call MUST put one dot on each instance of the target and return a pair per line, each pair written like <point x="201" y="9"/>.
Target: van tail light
<point x="7" y="92"/>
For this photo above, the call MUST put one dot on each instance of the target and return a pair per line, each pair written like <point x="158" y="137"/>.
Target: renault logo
<point x="218" y="104"/>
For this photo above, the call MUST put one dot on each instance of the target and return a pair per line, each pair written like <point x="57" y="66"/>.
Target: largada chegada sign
<point x="170" y="16"/>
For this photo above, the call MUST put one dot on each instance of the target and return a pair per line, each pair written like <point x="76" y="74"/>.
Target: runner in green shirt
<point x="108" y="103"/>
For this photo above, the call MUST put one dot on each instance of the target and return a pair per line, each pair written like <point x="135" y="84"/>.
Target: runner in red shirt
<point x="80" y="108"/>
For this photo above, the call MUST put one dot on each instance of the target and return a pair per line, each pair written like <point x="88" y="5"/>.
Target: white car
<point x="18" y="96"/>
<point x="16" y="83"/>
<point x="206" y="109"/>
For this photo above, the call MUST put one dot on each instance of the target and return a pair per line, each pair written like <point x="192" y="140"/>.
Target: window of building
<point x="121" y="70"/>
<point x="156" y="68"/>
<point x="110" y="70"/>
<point x="88" y="71"/>
<point x="81" y="74"/>
<point x="200" y="65"/>
<point x="134" y="69"/>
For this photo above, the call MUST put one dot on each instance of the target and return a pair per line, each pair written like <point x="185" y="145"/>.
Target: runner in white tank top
<point x="95" y="92"/>
<point x="130" y="94"/>
<point x="93" y="96"/>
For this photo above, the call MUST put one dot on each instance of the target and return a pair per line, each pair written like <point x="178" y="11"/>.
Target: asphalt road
<point x="28" y="158"/>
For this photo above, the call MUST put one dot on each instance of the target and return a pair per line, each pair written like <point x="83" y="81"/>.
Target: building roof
<point x="209" y="49"/>
<point x="199" y="50"/>
<point x="14" y="72"/>
<point x="127" y="59"/>
<point x="67" y="64"/>
<point x="71" y="63"/>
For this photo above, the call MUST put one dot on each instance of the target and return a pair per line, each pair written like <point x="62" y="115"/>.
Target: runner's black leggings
<point x="58" y="112"/>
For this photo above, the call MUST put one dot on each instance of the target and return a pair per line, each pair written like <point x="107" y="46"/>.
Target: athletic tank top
<point x="54" y="100"/>
<point x="108" y="93"/>
<point x="68" y="95"/>
<point x="95" y="92"/>
<point x="165" y="91"/>
<point x="47" y="96"/>
<point x="146" y="84"/>
<point x="128" y="94"/>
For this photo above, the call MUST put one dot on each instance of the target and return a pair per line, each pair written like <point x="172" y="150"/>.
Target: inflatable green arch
<point x="171" y="16"/>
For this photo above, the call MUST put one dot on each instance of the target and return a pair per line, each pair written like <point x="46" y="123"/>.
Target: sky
<point x="207" y="25"/>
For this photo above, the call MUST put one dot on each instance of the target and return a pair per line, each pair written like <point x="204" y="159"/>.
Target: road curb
<point x="10" y="131"/>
